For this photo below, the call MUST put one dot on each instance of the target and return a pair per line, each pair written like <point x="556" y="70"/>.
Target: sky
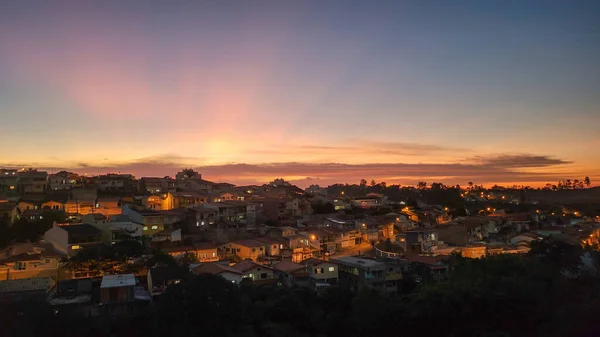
<point x="317" y="92"/>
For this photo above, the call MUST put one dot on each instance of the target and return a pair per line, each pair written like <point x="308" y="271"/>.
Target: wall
<point x="326" y="275"/>
<point x="58" y="237"/>
<point x="244" y="252"/>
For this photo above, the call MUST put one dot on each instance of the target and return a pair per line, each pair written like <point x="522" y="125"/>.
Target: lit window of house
<point x="154" y="227"/>
<point x="331" y="268"/>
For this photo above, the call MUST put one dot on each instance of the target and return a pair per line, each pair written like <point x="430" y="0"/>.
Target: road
<point x="364" y="249"/>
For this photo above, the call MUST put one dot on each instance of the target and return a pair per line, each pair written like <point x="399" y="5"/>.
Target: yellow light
<point x="12" y="187"/>
<point x="445" y="208"/>
<point x="75" y="247"/>
<point x="312" y="237"/>
<point x="537" y="210"/>
<point x="364" y="225"/>
<point x="488" y="209"/>
<point x="342" y="192"/>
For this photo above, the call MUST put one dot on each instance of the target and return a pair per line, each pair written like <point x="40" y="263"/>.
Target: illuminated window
<point x="280" y="246"/>
<point x="12" y="187"/>
<point x="145" y="228"/>
<point x="214" y="254"/>
<point x="331" y="268"/>
<point x="75" y="247"/>
<point x="154" y="227"/>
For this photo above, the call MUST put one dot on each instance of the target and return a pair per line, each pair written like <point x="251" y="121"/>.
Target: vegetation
<point x="553" y="291"/>
<point x="24" y="230"/>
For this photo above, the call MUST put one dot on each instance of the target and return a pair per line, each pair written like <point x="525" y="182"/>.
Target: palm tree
<point x="587" y="182"/>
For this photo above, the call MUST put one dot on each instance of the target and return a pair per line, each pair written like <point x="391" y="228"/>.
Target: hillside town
<point x="127" y="239"/>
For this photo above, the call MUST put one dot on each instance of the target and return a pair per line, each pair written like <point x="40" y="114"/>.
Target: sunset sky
<point x="321" y="91"/>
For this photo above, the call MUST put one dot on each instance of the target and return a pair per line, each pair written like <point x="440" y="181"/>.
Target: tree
<point x="421" y="185"/>
<point x="470" y="185"/>
<point x="587" y="182"/>
<point x="373" y="183"/>
<point x="188" y="258"/>
<point x="323" y="208"/>
<point x="363" y="183"/>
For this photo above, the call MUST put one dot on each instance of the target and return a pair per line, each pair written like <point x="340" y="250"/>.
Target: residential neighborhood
<point x="130" y="240"/>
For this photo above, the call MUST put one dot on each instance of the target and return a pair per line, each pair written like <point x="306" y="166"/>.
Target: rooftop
<point x="215" y="268"/>
<point x="113" y="281"/>
<point x="288" y="266"/>
<point x="246" y="265"/>
<point x="313" y="261"/>
<point x="249" y="243"/>
<point x="358" y="262"/>
<point x="81" y="229"/>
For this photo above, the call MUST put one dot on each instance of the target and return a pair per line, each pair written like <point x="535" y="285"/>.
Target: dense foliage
<point x="553" y="291"/>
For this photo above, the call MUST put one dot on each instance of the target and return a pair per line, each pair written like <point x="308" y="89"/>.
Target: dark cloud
<point x="519" y="161"/>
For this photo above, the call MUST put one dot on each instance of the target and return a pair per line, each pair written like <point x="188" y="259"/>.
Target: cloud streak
<point x="520" y="161"/>
<point x="484" y="170"/>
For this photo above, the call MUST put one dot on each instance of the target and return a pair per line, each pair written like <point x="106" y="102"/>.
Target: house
<point x="81" y="194"/>
<point x="201" y="218"/>
<point x="26" y="288"/>
<point x="108" y="206"/>
<point x="361" y="271"/>
<point x="115" y="228"/>
<point x="152" y="221"/>
<point x="9" y="181"/>
<point x="370" y="201"/>
<point x="168" y="235"/>
<point x="298" y="207"/>
<point x="320" y="271"/>
<point x="316" y="190"/>
<point x="27" y="205"/>
<point x="428" y="267"/>
<point x="276" y="248"/>
<point x="8" y="211"/>
<point x="243" y="249"/>
<point x="188" y="199"/>
<point x="32" y="215"/>
<point x="32" y="182"/>
<point x="54" y="205"/>
<point x="217" y="268"/>
<point x="69" y="238"/>
<point x="190" y="180"/>
<point x="330" y="239"/>
<point x="63" y="181"/>
<point x="115" y="182"/>
<point x="526" y="238"/>
<point x="81" y="207"/>
<point x="206" y="252"/>
<point x="281" y="232"/>
<point x="157" y="185"/>
<point x="74" y="295"/>
<point x="235" y="211"/>
<point x="159" y="278"/>
<point x="292" y="274"/>
<point x="29" y="261"/>
<point x="254" y="272"/>
<point x="421" y="240"/>
<point x="117" y="289"/>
